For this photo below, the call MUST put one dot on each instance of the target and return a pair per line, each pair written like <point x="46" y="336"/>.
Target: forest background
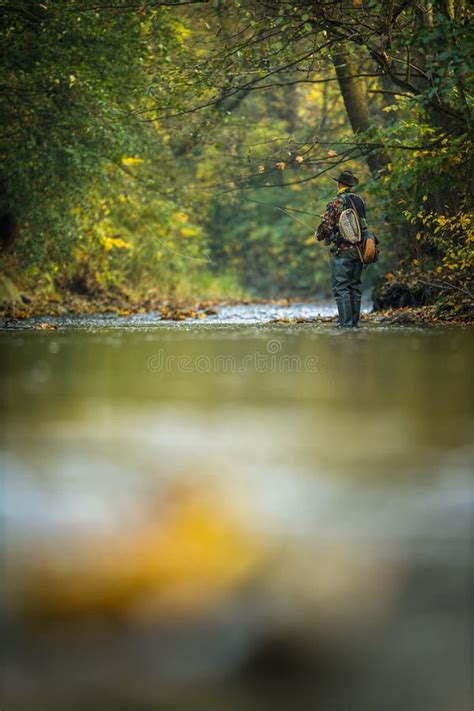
<point x="147" y="149"/>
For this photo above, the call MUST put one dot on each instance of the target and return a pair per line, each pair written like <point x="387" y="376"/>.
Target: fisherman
<point x="346" y="264"/>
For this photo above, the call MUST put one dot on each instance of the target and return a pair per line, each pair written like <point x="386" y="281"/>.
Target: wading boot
<point x="355" y="312"/>
<point x="344" y="308"/>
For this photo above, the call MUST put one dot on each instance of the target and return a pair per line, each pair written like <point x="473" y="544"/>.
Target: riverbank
<point x="50" y="313"/>
<point x="406" y="316"/>
<point x="19" y="304"/>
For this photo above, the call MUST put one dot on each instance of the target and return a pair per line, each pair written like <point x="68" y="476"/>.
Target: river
<point x="236" y="513"/>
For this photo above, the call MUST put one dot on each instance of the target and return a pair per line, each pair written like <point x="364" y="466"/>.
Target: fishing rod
<point x="284" y="210"/>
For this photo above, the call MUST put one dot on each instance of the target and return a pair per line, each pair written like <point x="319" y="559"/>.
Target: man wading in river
<point x="346" y="264"/>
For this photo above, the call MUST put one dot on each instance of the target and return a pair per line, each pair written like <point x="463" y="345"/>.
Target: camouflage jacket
<point x="328" y="229"/>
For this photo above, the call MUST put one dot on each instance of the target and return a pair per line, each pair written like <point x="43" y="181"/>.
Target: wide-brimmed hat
<point x="347" y="177"/>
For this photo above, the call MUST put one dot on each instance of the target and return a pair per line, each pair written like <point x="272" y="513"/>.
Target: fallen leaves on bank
<point x="424" y="316"/>
<point x="408" y="316"/>
<point x="122" y="304"/>
<point x="168" y="313"/>
<point x="44" y="326"/>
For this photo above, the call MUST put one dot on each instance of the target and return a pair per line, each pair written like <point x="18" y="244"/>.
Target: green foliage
<point x="71" y="82"/>
<point x="426" y="193"/>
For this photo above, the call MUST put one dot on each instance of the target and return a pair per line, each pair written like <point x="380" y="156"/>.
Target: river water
<point x="236" y="514"/>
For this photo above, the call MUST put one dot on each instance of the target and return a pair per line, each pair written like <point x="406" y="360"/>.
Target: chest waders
<point x="346" y="273"/>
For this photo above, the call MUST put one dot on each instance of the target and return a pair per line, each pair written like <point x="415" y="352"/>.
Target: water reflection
<point x="230" y="536"/>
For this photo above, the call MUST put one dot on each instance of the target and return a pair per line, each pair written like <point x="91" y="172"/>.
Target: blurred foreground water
<point x="235" y="515"/>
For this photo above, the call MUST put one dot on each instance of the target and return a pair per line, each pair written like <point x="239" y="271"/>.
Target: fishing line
<point x="283" y="209"/>
<point x="185" y="256"/>
<point x="293" y="217"/>
<point x="174" y="251"/>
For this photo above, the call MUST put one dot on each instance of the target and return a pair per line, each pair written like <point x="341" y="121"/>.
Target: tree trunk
<point x="9" y="230"/>
<point x="356" y="106"/>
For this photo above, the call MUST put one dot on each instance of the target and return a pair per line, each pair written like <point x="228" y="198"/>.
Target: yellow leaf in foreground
<point x="191" y="552"/>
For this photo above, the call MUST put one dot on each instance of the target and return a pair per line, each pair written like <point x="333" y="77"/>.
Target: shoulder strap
<point x="362" y="220"/>
<point x="349" y="197"/>
<point x="345" y="197"/>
